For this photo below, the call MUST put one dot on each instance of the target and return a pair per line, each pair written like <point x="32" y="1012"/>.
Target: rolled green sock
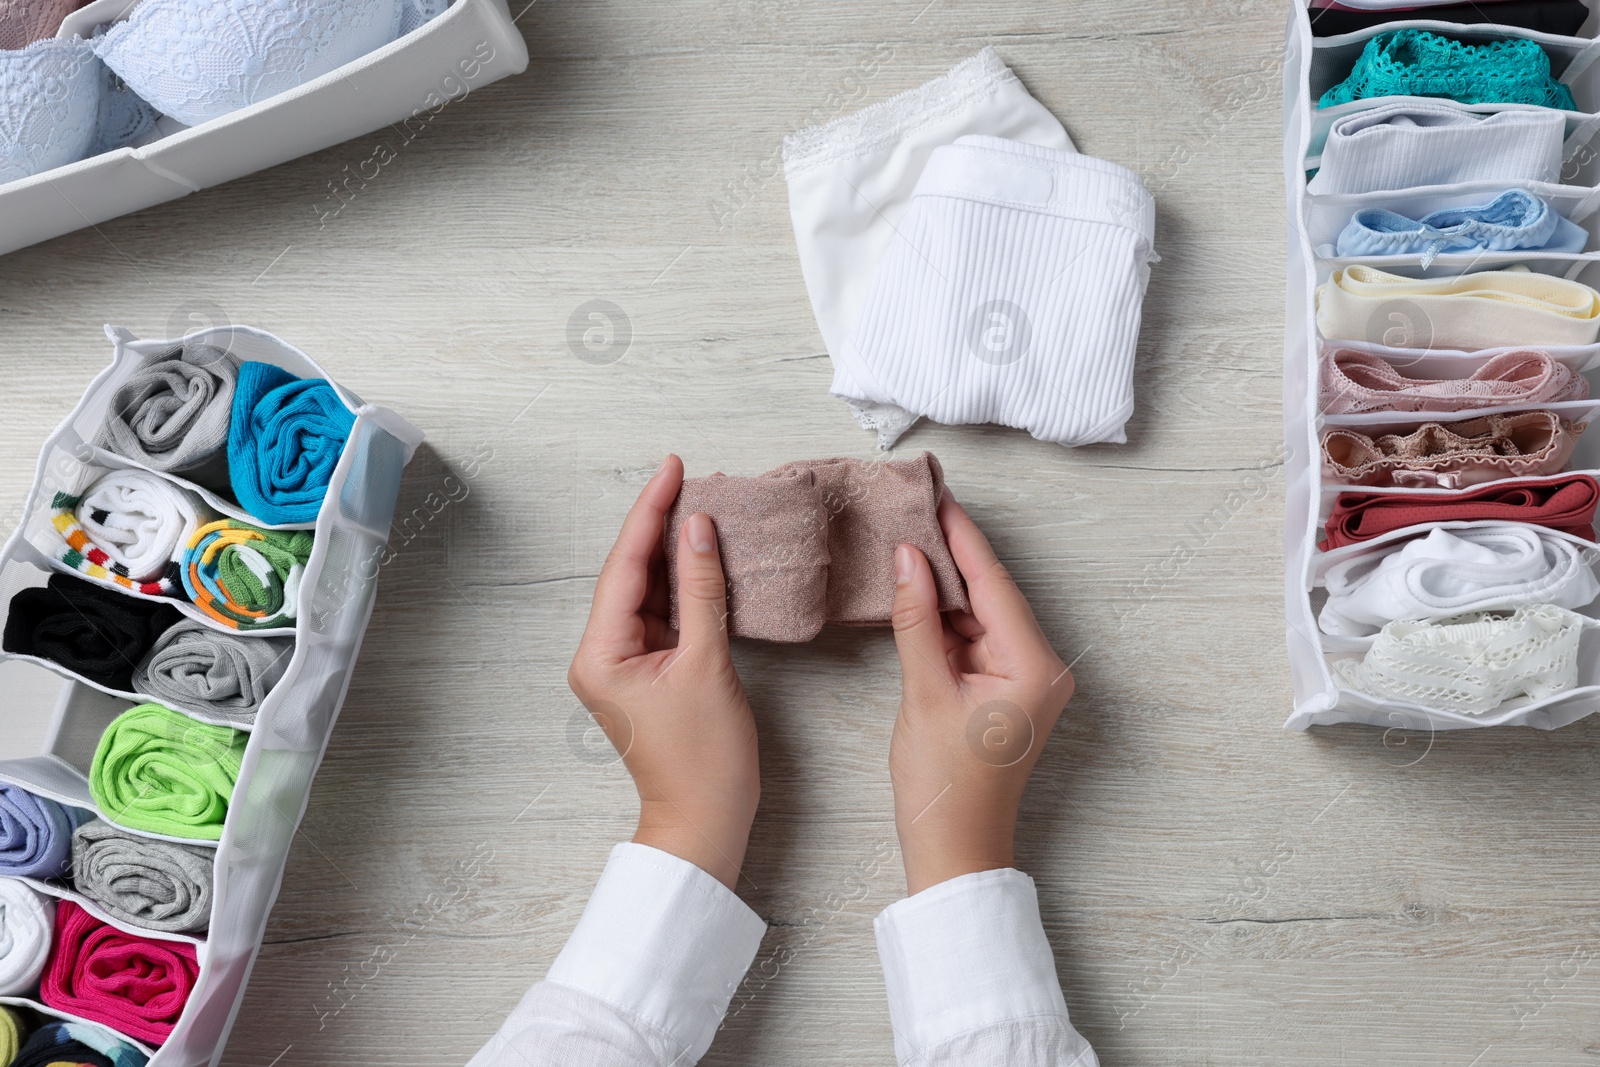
<point x="160" y="771"/>
<point x="10" y="1033"/>
<point x="244" y="577"/>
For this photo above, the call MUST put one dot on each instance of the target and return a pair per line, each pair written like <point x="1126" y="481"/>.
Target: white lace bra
<point x="197" y="60"/>
<point x="65" y="98"/>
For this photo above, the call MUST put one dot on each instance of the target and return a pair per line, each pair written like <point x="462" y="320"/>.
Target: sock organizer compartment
<point x="1556" y="649"/>
<point x="237" y="771"/>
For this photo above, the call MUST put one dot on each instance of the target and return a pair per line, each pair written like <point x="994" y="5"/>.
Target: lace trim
<point x="889" y="120"/>
<point x="886" y="420"/>
<point x="1353" y="382"/>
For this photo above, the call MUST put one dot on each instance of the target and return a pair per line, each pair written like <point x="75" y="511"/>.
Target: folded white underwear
<point x="1451" y="572"/>
<point x="851" y="181"/>
<point x="1400" y="146"/>
<point x="1010" y="294"/>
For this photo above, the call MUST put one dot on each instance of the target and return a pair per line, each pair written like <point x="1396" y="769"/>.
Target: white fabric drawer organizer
<point x="295" y="720"/>
<point x="1311" y="66"/>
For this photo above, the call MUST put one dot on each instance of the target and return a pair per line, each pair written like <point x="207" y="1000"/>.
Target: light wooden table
<point x="1217" y="891"/>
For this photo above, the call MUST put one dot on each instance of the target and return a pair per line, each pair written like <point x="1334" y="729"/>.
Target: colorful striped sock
<point x="244" y="577"/>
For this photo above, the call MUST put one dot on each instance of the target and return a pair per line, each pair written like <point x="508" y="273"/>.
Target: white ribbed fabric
<point x="1399" y="146"/>
<point x="1451" y="572"/>
<point x="1011" y="294"/>
<point x="1471" y="664"/>
<point x="850" y="182"/>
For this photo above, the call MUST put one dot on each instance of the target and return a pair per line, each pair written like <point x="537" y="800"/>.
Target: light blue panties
<point x="1512" y="220"/>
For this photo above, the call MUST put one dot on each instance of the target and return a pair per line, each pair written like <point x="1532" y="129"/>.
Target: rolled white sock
<point x="26" y="925"/>
<point x="1011" y="294"/>
<point x="850" y="182"/>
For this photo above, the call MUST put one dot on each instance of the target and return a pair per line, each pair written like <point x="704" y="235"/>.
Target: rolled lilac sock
<point x="36" y="834"/>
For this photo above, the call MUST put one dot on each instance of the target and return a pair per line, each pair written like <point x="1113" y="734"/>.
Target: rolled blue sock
<point x="36" y="834"/>
<point x="284" y="440"/>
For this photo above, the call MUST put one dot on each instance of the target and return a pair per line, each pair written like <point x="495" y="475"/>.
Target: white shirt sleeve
<point x="972" y="980"/>
<point x="646" y="976"/>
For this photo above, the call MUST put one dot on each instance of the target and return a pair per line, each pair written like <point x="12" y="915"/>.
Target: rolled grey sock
<point x="159" y="885"/>
<point x="195" y="668"/>
<point x="173" y="415"/>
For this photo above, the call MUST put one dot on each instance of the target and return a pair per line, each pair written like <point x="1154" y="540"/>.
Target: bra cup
<point x="50" y="98"/>
<point x="197" y="60"/>
<point x="416" y="13"/>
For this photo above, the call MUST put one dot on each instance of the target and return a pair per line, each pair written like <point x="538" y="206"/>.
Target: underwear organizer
<point x="295" y="720"/>
<point x="1311" y="66"/>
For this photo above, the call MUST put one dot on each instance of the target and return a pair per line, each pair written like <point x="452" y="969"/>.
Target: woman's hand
<point x="980" y="693"/>
<point x="669" y="700"/>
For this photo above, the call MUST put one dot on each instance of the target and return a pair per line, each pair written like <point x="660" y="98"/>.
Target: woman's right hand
<point x="980" y="693"/>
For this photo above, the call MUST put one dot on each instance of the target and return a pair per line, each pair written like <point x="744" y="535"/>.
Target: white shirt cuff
<point x="965" y="954"/>
<point x="663" y="941"/>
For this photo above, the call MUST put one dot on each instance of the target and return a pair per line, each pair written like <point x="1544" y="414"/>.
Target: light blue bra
<point x="201" y="59"/>
<point x="1511" y="221"/>
<point x="63" y="99"/>
<point x="59" y="104"/>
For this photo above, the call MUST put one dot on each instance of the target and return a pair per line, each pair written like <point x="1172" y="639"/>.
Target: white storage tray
<point x="53" y="720"/>
<point x="1310" y="66"/>
<point x="407" y="81"/>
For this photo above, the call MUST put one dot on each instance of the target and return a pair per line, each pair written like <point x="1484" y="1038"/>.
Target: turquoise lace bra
<point x="1419" y="63"/>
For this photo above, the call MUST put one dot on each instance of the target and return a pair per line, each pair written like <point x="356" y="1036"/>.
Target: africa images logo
<point x="999" y="332"/>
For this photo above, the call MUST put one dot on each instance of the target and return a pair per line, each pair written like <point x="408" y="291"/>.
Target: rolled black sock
<point x="89" y="629"/>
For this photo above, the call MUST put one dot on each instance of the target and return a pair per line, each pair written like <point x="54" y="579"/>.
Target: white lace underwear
<point x="1470" y="664"/>
<point x="1450" y="572"/>
<point x="201" y="59"/>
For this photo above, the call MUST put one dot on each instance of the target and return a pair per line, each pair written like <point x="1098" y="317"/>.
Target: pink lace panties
<point x="1450" y="456"/>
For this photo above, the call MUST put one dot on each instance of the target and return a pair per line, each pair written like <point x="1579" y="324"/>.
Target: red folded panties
<point x="1566" y="503"/>
<point x="137" y="985"/>
<point x="813" y="542"/>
